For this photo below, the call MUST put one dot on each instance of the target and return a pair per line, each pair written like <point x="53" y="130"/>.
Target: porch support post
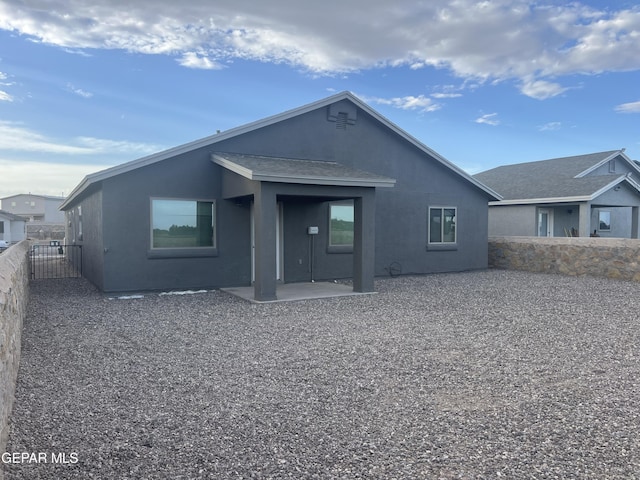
<point x="265" y="210"/>
<point x="364" y="241"/>
<point x="584" y="219"/>
<point x="635" y="222"/>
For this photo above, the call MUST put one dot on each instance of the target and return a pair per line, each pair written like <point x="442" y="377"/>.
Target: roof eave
<point x="333" y="181"/>
<point x="532" y="201"/>
<point x="302" y="179"/>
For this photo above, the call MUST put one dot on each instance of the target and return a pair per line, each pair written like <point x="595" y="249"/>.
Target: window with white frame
<point x="604" y="220"/>
<point x="442" y="225"/>
<point x="182" y="223"/>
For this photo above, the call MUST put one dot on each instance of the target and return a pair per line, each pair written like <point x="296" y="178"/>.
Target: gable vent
<point x="343" y="114"/>
<point x="341" y="121"/>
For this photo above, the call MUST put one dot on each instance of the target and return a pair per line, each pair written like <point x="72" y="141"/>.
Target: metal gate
<point x="55" y="261"/>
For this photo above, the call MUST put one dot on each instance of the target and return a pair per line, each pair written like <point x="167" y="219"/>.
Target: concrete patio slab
<point x="291" y="292"/>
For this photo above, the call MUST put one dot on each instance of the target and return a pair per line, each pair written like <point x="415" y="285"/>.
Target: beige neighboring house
<point x="35" y="208"/>
<point x="12" y="229"/>
<point x="44" y="220"/>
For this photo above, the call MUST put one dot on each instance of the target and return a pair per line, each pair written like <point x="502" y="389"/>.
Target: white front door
<point x="545" y="222"/>
<point x="279" y="244"/>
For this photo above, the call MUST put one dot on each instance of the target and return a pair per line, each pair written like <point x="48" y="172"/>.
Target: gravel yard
<point x="473" y="375"/>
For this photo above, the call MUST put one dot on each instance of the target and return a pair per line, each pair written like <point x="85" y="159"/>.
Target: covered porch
<point x="267" y="182"/>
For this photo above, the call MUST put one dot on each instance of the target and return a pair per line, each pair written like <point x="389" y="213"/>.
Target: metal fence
<point x="55" y="261"/>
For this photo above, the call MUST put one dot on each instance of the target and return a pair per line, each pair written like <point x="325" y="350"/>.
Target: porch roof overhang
<point x="289" y="170"/>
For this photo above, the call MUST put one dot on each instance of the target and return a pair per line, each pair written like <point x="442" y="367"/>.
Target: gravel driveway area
<point x="483" y="374"/>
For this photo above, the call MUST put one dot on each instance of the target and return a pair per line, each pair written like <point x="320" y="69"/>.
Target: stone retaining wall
<point x="14" y="294"/>
<point x="45" y="231"/>
<point x="602" y="257"/>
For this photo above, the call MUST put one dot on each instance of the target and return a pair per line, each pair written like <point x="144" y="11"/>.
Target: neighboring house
<point x="596" y="194"/>
<point x="12" y="228"/>
<point x="34" y="208"/>
<point x="326" y="191"/>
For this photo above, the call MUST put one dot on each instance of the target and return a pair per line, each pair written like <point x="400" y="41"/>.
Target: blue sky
<point x="88" y="84"/>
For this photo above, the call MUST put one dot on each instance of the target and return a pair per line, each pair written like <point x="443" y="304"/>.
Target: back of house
<point x="329" y="190"/>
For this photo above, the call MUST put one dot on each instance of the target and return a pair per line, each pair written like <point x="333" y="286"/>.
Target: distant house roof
<point x="12" y="217"/>
<point x="287" y="170"/>
<point x="557" y="179"/>
<point x="47" y="197"/>
<point x="97" y="177"/>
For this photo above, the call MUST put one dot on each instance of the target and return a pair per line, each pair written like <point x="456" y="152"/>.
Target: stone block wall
<point x="14" y="294"/>
<point x="601" y="257"/>
<point x="45" y="231"/>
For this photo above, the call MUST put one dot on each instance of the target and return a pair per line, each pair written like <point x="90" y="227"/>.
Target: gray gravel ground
<point x="474" y="375"/>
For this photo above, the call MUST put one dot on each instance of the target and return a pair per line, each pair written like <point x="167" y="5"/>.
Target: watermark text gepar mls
<point x="64" y="458"/>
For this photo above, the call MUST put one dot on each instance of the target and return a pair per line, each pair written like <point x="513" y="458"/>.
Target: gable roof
<point x="46" y="197"/>
<point x="557" y="179"/>
<point x="289" y="170"/>
<point x="11" y="216"/>
<point x="218" y="137"/>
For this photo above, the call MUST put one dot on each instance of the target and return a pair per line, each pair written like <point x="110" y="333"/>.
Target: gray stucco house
<point x="594" y="194"/>
<point x="325" y="191"/>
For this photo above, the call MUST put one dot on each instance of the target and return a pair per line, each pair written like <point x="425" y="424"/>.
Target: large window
<point x="182" y="223"/>
<point x="341" y="224"/>
<point x="442" y="225"/>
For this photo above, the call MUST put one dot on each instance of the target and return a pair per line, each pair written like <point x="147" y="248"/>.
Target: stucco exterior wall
<point x="620" y="222"/>
<point x="14" y="294"/>
<point x="617" y="258"/>
<point x="516" y="220"/>
<point x="84" y="227"/>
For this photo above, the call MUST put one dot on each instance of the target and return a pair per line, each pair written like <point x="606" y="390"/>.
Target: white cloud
<point x="488" y="119"/>
<point x="542" y="89"/>
<point x="410" y="102"/>
<point x="15" y="137"/>
<point x="632" y="107"/>
<point x="44" y="178"/>
<point x="446" y="95"/>
<point x="4" y="96"/>
<point x="531" y="42"/>
<point x="193" y="60"/>
<point x="102" y="146"/>
<point x="550" y="126"/>
<point x="79" y="91"/>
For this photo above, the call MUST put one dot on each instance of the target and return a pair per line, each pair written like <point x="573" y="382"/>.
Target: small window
<point x="612" y="166"/>
<point x="182" y="223"/>
<point x="442" y="225"/>
<point x="604" y="221"/>
<point x="1" y="227"/>
<point x="341" y="224"/>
